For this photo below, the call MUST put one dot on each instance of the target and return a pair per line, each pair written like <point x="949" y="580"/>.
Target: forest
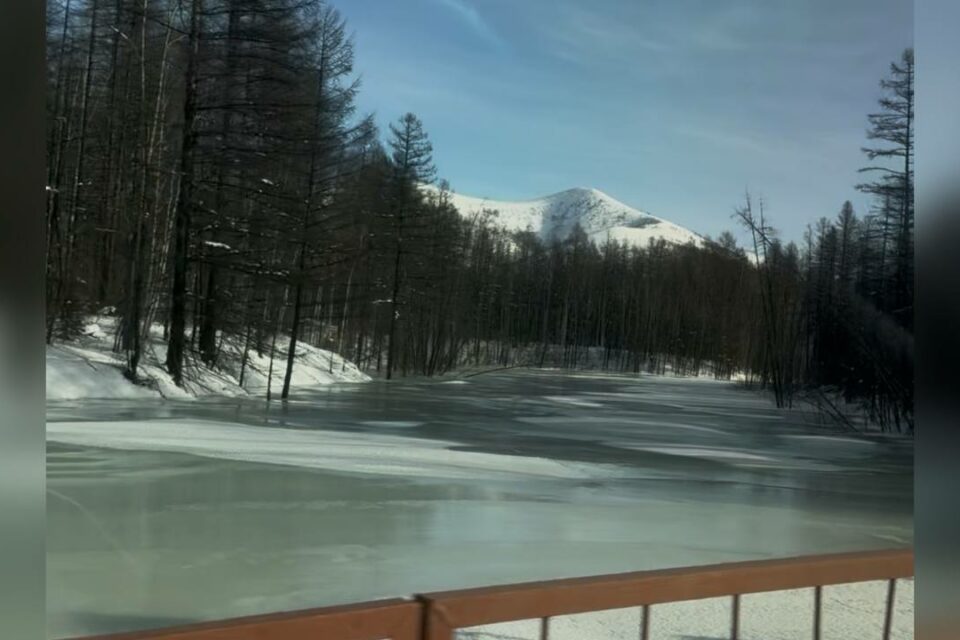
<point x="208" y="172"/>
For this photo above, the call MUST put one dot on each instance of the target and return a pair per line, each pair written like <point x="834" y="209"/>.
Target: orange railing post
<point x="435" y="625"/>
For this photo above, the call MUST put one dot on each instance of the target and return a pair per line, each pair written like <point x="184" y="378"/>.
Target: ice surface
<point x="165" y="512"/>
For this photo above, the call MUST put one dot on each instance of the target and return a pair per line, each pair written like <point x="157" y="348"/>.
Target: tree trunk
<point x="181" y="235"/>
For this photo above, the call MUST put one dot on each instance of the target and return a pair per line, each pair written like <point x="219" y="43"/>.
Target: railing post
<point x="545" y="628"/>
<point x="888" y="615"/>
<point x="435" y="623"/>
<point x="735" y="621"/>
<point x="645" y="623"/>
<point x="817" y="609"/>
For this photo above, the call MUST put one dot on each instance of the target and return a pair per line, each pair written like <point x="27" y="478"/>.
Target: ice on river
<point x="165" y="512"/>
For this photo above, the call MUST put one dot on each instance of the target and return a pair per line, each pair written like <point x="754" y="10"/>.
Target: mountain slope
<point x="599" y="215"/>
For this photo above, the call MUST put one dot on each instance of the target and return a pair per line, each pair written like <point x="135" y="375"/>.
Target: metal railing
<point x="437" y="616"/>
<point x="448" y="611"/>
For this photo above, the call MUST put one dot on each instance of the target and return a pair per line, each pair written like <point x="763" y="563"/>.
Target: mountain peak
<point x="555" y="216"/>
<point x="583" y="192"/>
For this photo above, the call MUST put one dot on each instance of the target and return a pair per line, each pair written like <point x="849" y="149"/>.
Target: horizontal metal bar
<point x="395" y="619"/>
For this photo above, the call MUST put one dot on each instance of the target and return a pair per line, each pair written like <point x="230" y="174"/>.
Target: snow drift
<point x="89" y="368"/>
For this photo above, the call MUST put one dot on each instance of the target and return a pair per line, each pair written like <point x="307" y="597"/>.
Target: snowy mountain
<point x="555" y="216"/>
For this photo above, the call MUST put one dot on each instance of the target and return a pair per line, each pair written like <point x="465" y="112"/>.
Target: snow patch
<point x="363" y="453"/>
<point x="391" y="423"/>
<point x="88" y="367"/>
<point x="74" y="373"/>
<point x="834" y="439"/>
<point x="711" y="454"/>
<point x="574" y="401"/>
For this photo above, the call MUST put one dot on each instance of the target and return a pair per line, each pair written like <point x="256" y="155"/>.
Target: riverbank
<point x="88" y="367"/>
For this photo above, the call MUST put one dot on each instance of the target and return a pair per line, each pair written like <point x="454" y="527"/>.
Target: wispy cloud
<point x="726" y="138"/>
<point x="471" y="18"/>
<point x="602" y="32"/>
<point x="580" y="35"/>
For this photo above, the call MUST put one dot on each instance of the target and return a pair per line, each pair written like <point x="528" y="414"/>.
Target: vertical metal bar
<point x="817" y="608"/>
<point x="435" y="622"/>
<point x="735" y="622"/>
<point x="545" y="628"/>
<point x="888" y="616"/>
<point x="645" y="623"/>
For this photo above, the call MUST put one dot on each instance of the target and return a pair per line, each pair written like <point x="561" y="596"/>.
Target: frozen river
<point x="162" y="513"/>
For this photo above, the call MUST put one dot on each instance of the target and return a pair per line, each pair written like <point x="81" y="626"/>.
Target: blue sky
<point x="672" y="106"/>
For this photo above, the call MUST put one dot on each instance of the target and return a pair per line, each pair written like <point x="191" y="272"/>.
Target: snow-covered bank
<point x="89" y="368"/>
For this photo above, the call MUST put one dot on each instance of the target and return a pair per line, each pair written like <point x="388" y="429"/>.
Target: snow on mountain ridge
<point x="555" y="216"/>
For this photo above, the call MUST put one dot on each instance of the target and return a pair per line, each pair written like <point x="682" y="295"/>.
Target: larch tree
<point x="327" y="138"/>
<point x="412" y="161"/>
<point x="892" y="127"/>
<point x="180" y="240"/>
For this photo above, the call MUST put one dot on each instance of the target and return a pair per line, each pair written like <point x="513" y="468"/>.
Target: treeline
<point x="208" y="173"/>
<point x="204" y="169"/>
<point x="839" y="313"/>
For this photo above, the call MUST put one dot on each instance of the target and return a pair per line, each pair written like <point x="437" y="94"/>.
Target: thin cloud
<point x="470" y="17"/>
<point x="581" y="35"/>
<point x="600" y="33"/>
<point x="726" y="137"/>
